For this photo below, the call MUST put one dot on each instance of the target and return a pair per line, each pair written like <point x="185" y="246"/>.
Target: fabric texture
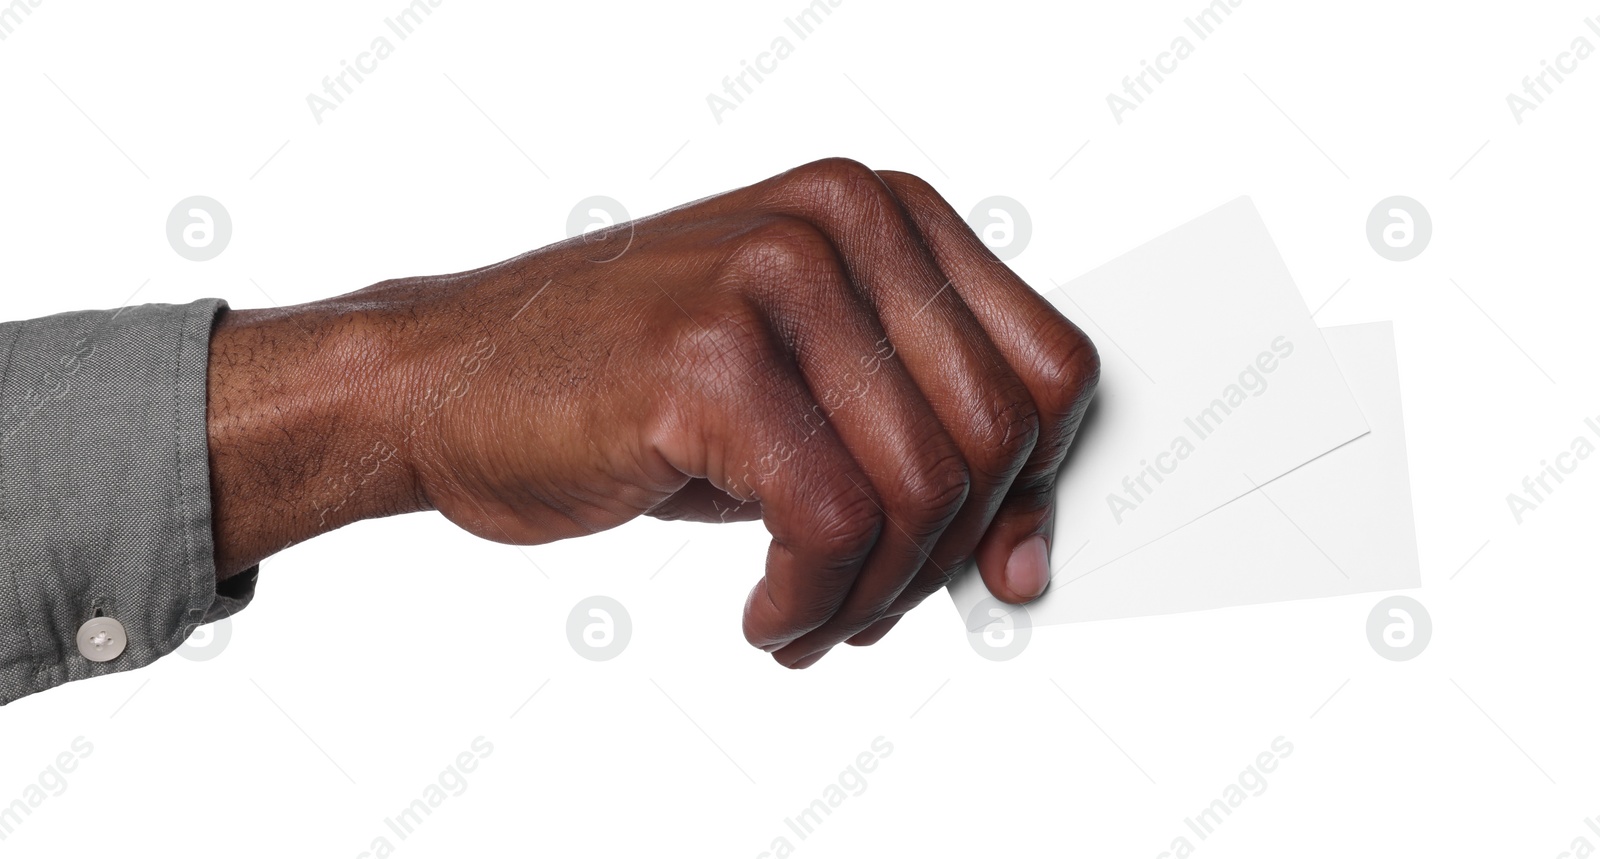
<point x="105" y="497"/>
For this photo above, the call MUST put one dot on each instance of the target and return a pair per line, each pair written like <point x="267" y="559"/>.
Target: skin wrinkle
<point x="825" y="350"/>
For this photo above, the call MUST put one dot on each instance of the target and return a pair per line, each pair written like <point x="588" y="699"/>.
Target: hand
<point x="831" y="350"/>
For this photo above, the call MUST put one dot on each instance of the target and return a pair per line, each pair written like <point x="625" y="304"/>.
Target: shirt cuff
<point x="105" y="493"/>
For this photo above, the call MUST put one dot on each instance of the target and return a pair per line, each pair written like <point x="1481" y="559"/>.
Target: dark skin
<point x="831" y="351"/>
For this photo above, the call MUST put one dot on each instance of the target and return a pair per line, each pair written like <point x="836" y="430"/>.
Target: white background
<point x="374" y="655"/>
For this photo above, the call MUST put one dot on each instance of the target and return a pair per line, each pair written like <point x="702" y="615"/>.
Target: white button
<point x="102" y="639"/>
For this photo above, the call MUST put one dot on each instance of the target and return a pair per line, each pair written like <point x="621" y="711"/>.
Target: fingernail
<point x="1028" y="568"/>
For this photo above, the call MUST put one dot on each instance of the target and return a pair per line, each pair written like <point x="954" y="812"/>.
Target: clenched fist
<point x="831" y="350"/>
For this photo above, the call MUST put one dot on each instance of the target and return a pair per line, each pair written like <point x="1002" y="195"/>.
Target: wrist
<point x="301" y="431"/>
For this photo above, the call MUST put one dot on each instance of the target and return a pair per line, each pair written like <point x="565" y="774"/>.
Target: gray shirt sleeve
<point x="105" y="497"/>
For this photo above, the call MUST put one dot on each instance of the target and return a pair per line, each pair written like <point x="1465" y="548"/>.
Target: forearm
<point x="303" y="429"/>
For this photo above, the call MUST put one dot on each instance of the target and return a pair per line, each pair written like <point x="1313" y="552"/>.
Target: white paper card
<point x="1340" y="524"/>
<point x="1213" y="380"/>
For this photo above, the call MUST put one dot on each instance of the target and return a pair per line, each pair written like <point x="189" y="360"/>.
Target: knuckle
<point x="780" y="247"/>
<point x="928" y="496"/>
<point x="839" y="184"/>
<point x="1069" y="367"/>
<point x="729" y="342"/>
<point x="1004" y="435"/>
<point x="911" y="184"/>
<point x="846" y="528"/>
